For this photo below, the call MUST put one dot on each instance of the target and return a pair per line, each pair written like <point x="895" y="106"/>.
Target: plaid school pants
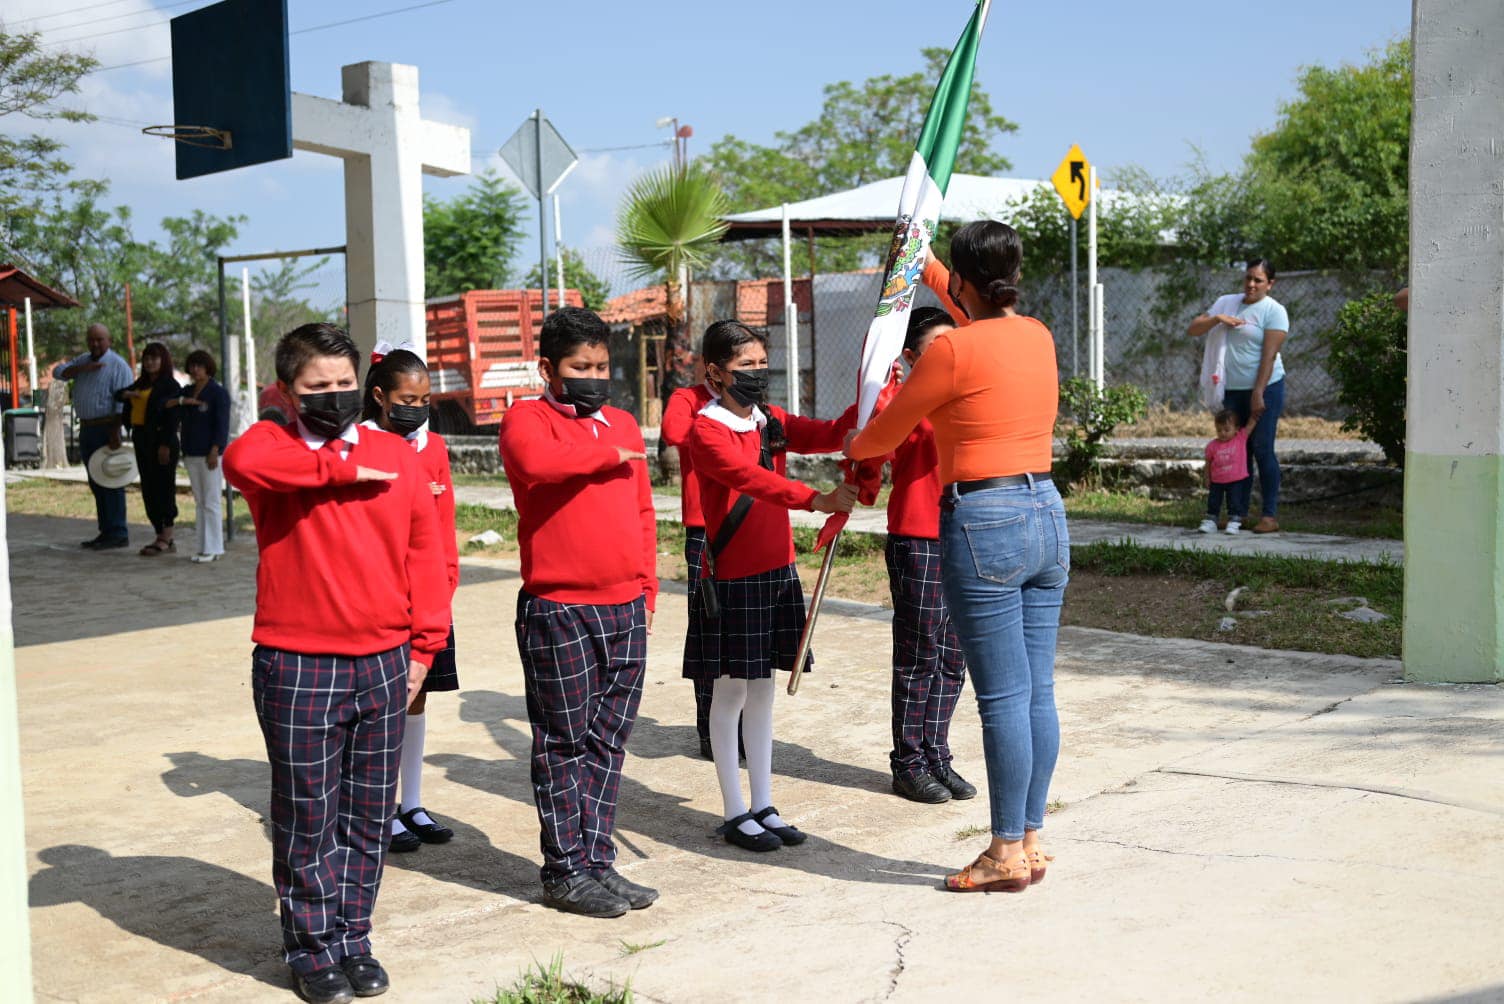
<point x="333" y="730"/>
<point x="695" y="544"/>
<point x="582" y="665"/>
<point x="929" y="668"/>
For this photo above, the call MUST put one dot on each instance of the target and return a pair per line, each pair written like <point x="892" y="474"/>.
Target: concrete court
<point x="1238" y="824"/>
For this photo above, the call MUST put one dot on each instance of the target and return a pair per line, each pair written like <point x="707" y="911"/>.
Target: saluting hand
<point x="625" y="456"/>
<point x="371" y="474"/>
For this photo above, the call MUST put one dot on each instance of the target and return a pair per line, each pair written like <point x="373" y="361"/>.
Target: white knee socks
<point x="751" y="701"/>
<point x="412" y="761"/>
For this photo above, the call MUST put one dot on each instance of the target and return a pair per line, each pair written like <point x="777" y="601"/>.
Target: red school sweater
<point x="726" y="463"/>
<point x="914" y="503"/>
<point x="434" y="458"/>
<point x="585" y="520"/>
<point x="679" y="416"/>
<point x="345" y="569"/>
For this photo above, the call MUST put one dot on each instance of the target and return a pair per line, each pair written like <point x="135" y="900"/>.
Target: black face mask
<point x="406" y="419"/>
<point x="329" y="413"/>
<point x="749" y="387"/>
<point x="587" y="394"/>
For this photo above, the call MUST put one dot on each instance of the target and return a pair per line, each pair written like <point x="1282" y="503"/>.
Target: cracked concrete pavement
<point x="1235" y="823"/>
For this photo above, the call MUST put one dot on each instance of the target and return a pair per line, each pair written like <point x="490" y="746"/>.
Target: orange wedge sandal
<point x="1015" y="875"/>
<point x="1038" y="862"/>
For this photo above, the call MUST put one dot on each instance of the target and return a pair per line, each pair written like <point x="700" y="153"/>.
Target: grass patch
<point x="1180" y="594"/>
<point x="1161" y="420"/>
<point x="630" y="948"/>
<point x="1055" y="805"/>
<point x="971" y="832"/>
<point x="548" y="985"/>
<point x="74" y="500"/>
<point x="1385" y="522"/>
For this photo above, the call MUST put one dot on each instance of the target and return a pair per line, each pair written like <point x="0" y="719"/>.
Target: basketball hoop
<point x="194" y="135"/>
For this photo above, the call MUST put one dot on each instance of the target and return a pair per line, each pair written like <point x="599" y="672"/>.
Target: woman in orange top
<point x="991" y="390"/>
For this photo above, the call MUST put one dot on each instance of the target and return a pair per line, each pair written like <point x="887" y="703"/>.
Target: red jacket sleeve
<point x="930" y="385"/>
<point x="813" y="435"/>
<point x="678" y="417"/>
<point x="269" y="458"/>
<point x="937" y="278"/>
<point x="533" y="455"/>
<point x="649" y="519"/>
<point x="718" y="458"/>
<point x="444" y="502"/>
<point x="426" y="578"/>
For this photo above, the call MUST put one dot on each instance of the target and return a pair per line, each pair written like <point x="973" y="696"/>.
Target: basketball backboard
<point x="231" y="79"/>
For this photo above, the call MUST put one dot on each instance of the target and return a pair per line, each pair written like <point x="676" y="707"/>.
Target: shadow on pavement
<point x="178" y="902"/>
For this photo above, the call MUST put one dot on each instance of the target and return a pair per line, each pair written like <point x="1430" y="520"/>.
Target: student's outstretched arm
<point x="813" y="435"/>
<point x="532" y="454"/>
<point x="266" y="458"/>
<point x="718" y="457"/>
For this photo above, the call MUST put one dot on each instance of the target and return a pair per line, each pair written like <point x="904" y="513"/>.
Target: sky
<point x="1146" y="84"/>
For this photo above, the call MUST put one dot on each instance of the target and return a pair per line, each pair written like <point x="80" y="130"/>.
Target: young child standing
<point x="397" y="399"/>
<point x="929" y="668"/>
<point x="350" y="613"/>
<point x="1227" y="473"/>
<point x="589" y="541"/>
<point x="679" y="415"/>
<point x="739" y="444"/>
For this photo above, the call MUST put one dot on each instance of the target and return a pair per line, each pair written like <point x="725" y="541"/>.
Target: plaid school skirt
<point x="443" y="674"/>
<point x="762" y="619"/>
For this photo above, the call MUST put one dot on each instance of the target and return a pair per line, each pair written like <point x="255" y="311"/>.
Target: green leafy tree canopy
<point x="469" y="241"/>
<point x="31" y="78"/>
<point x="594" y="291"/>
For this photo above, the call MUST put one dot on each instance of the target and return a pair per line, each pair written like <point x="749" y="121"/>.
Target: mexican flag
<point x="918" y="214"/>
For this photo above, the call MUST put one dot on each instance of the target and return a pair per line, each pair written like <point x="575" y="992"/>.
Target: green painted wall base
<point x="1454" y="569"/>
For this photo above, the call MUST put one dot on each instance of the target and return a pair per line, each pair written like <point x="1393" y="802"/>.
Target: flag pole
<point x="814" y="614"/>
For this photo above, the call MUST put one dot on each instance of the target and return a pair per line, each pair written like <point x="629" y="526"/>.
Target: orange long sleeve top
<point x="991" y="390"/>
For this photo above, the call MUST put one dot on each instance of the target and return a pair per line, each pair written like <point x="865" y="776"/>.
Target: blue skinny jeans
<point x="1006" y="559"/>
<point x="1261" y="443"/>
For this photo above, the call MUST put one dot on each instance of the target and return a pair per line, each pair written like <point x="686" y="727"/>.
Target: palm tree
<point x="669" y="221"/>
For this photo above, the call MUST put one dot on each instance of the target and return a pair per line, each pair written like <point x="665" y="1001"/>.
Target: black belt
<point x="958" y="488"/>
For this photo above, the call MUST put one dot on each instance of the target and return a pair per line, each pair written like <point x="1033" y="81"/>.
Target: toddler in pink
<point x="1227" y="474"/>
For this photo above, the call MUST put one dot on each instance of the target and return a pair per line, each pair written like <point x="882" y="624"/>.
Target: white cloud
<point x="125" y="32"/>
<point x="439" y="107"/>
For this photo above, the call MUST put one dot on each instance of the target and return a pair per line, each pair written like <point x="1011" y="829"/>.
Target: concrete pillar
<point x="387" y="147"/>
<point x="1454" y="485"/>
<point x="15" y="946"/>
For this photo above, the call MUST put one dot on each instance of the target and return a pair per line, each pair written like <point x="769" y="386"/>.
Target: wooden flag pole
<point x="814" y="614"/>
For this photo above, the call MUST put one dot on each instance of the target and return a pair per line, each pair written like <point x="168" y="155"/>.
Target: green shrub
<point x="1366" y="357"/>
<point x="1094" y="414"/>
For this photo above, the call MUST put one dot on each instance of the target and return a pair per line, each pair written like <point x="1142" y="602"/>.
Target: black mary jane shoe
<point x="731" y="829"/>
<point x="366" y="976"/>
<point x="403" y="843"/>
<point x="791" y="836"/>
<point x="430" y="832"/>
<point x="958" y="786"/>
<point x="329" y="985"/>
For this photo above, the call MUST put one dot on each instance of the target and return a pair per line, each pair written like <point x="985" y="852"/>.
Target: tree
<point x="469" y="241"/>
<point x="31" y="78"/>
<point x="594" y="290"/>
<point x="669" y="222"/>
<point x="863" y="133"/>
<point x="1328" y="186"/>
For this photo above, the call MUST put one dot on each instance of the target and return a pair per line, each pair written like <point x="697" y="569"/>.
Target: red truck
<point x="483" y="353"/>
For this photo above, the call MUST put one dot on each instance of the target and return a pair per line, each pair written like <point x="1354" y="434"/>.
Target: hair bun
<point x="1002" y="293"/>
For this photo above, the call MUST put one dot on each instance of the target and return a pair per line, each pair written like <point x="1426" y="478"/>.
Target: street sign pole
<point x="542" y="202"/>
<point x="541" y="160"/>
<point x="1075" y="308"/>
<point x="1072" y="180"/>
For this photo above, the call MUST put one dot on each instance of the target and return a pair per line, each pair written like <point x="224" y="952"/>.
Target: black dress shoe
<point x="91" y="544"/>
<point x="958" y="786"/>
<point x="112" y="543"/>
<point x="791" y="836"/>
<point x="731" y="829"/>
<point x="584" y="895"/>
<point x="366" y="976"/>
<point x="403" y="843"/>
<point x="430" y="832"/>
<point x="922" y="787"/>
<point x="326" y="986"/>
<point x="637" y="896"/>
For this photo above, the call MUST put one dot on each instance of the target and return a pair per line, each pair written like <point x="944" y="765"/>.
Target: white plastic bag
<point x="1214" y="368"/>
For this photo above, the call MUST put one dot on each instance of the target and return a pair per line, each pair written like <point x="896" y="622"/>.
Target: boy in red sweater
<point x="589" y="541"/>
<point x="739" y="444"/>
<point x="398" y="393"/>
<point x="929" y="668"/>
<point x="679" y="415"/>
<point x="350" y="612"/>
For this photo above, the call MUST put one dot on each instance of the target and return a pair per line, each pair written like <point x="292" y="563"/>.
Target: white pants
<point x="208" y="499"/>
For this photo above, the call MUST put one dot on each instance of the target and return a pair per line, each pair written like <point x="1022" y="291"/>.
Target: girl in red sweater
<point x="396" y="401"/>
<point x="738" y="445"/>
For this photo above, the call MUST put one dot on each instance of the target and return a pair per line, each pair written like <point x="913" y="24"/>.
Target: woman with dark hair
<point x="204" y="414"/>
<point x="152" y="414"/>
<point x="397" y="397"/>
<point x="991" y="390"/>
<point x="1257" y="326"/>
